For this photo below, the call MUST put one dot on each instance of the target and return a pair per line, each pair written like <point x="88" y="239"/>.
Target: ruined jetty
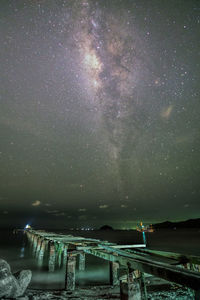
<point x="128" y="263"/>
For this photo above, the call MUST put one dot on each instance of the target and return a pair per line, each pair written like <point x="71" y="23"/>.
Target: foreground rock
<point x="11" y="286"/>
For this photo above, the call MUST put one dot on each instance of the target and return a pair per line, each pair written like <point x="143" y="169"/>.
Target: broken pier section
<point x="128" y="263"/>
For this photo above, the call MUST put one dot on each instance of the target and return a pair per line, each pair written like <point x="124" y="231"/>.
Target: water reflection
<point x="22" y="252"/>
<point x="50" y="273"/>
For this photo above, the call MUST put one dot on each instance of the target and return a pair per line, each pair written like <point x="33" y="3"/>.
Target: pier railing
<point x="128" y="263"/>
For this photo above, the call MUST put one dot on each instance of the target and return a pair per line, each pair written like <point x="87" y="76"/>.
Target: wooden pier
<point x="128" y="263"/>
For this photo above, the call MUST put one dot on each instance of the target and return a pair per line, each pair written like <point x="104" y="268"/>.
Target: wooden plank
<point x="113" y="246"/>
<point x="129" y="246"/>
<point x="171" y="273"/>
<point x="191" y="258"/>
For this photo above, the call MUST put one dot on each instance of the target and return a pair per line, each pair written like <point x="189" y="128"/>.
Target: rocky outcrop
<point x="11" y="286"/>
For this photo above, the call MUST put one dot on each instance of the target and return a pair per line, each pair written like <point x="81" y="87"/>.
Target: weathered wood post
<point x="123" y="289"/>
<point x="123" y="277"/>
<point x="81" y="261"/>
<point x="35" y="244"/>
<point x="130" y="289"/>
<point x="60" y="247"/>
<point x="42" y="252"/>
<point x="64" y="263"/>
<point x="143" y="287"/>
<point x="28" y="235"/>
<point x="52" y="256"/>
<point x="32" y="237"/>
<point x="114" y="266"/>
<point x="39" y="243"/>
<point x="190" y="266"/>
<point x="70" y="273"/>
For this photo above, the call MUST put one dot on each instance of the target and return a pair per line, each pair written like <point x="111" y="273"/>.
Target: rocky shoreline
<point x="103" y="292"/>
<point x="15" y="287"/>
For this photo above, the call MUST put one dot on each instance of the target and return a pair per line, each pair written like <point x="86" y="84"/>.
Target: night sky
<point x="99" y="112"/>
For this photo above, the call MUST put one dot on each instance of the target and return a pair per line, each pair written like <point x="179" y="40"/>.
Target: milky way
<point x="112" y="69"/>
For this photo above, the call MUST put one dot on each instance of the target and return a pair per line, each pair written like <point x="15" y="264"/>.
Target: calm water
<point x="15" y="249"/>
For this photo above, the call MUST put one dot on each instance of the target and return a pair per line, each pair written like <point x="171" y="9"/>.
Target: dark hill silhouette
<point x="191" y="223"/>
<point x="106" y="227"/>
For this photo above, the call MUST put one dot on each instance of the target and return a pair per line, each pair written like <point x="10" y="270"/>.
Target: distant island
<point x="106" y="227"/>
<point x="191" y="223"/>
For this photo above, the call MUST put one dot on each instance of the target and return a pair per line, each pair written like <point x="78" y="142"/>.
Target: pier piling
<point x="81" y="261"/>
<point x="114" y="267"/>
<point x="130" y="286"/>
<point x="52" y="257"/>
<point x="35" y="239"/>
<point x="59" y="253"/>
<point x="38" y="247"/>
<point x="64" y="263"/>
<point x="41" y="253"/>
<point x="70" y="274"/>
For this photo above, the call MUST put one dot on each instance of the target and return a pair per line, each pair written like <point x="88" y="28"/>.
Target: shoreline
<point x="104" y="292"/>
<point x="156" y="291"/>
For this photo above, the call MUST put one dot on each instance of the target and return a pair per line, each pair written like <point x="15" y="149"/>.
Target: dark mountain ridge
<point x="191" y="223"/>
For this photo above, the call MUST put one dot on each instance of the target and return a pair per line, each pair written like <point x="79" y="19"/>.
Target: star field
<point x="99" y="112"/>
